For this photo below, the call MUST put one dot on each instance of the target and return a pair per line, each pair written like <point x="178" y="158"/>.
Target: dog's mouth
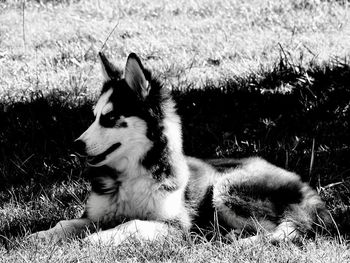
<point x="93" y="160"/>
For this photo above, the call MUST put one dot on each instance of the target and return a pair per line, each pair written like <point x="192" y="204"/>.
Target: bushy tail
<point x="334" y="222"/>
<point x="317" y="219"/>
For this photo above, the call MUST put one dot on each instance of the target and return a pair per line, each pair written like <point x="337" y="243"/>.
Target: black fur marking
<point x="204" y="214"/>
<point x="259" y="200"/>
<point x="127" y="102"/>
<point x="122" y="124"/>
<point x="108" y="120"/>
<point x="111" y="71"/>
<point x="112" y="120"/>
<point x="226" y="167"/>
<point x="225" y="164"/>
<point x="97" y="176"/>
<point x="157" y="158"/>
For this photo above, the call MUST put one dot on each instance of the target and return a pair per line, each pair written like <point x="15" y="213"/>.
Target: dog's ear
<point x="109" y="70"/>
<point x="135" y="75"/>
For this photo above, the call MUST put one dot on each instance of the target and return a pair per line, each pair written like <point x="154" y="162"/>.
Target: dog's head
<point x="122" y="115"/>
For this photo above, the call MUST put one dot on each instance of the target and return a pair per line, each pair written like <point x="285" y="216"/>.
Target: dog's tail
<point x="315" y="216"/>
<point x="334" y="222"/>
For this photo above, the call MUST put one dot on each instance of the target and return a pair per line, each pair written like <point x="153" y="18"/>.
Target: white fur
<point x="137" y="229"/>
<point x="101" y="103"/>
<point x="107" y="108"/>
<point x="139" y="197"/>
<point x="63" y="230"/>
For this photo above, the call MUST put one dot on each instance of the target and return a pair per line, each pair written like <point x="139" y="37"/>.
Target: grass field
<point x="268" y="78"/>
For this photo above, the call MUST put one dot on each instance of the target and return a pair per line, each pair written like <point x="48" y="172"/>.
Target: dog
<point x="144" y="187"/>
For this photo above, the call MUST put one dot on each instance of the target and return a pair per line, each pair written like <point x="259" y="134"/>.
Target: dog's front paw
<point x="41" y="236"/>
<point x="51" y="235"/>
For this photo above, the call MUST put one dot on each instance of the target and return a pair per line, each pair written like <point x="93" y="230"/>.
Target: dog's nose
<point x="80" y="147"/>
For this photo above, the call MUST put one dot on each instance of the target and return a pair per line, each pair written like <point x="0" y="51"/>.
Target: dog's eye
<point x="111" y="118"/>
<point x="108" y="120"/>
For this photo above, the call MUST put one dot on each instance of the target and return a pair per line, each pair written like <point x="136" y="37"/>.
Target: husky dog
<point x="143" y="186"/>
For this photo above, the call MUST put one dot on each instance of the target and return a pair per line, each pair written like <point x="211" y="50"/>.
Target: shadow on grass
<point x="37" y="136"/>
<point x="285" y="115"/>
<point x="278" y="115"/>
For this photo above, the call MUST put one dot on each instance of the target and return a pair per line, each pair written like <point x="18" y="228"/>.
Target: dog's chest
<point x="138" y="198"/>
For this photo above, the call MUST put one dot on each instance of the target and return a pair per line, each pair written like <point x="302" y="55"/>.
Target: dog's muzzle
<point x="93" y="160"/>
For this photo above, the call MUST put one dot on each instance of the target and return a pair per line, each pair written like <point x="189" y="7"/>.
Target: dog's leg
<point x="138" y="229"/>
<point x="63" y="230"/>
<point x="285" y="231"/>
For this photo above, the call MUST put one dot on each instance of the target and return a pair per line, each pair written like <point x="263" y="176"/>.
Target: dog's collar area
<point x="93" y="160"/>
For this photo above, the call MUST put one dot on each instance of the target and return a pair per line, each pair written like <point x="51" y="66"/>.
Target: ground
<point x="268" y="78"/>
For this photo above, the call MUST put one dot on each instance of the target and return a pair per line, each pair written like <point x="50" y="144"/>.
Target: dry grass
<point x="228" y="44"/>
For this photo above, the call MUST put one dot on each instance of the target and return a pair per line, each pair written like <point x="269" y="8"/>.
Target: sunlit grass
<point x="189" y="42"/>
<point x="323" y="250"/>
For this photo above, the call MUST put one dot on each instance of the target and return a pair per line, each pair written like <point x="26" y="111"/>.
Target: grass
<point x="183" y="251"/>
<point x="190" y="43"/>
<point x="268" y="78"/>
